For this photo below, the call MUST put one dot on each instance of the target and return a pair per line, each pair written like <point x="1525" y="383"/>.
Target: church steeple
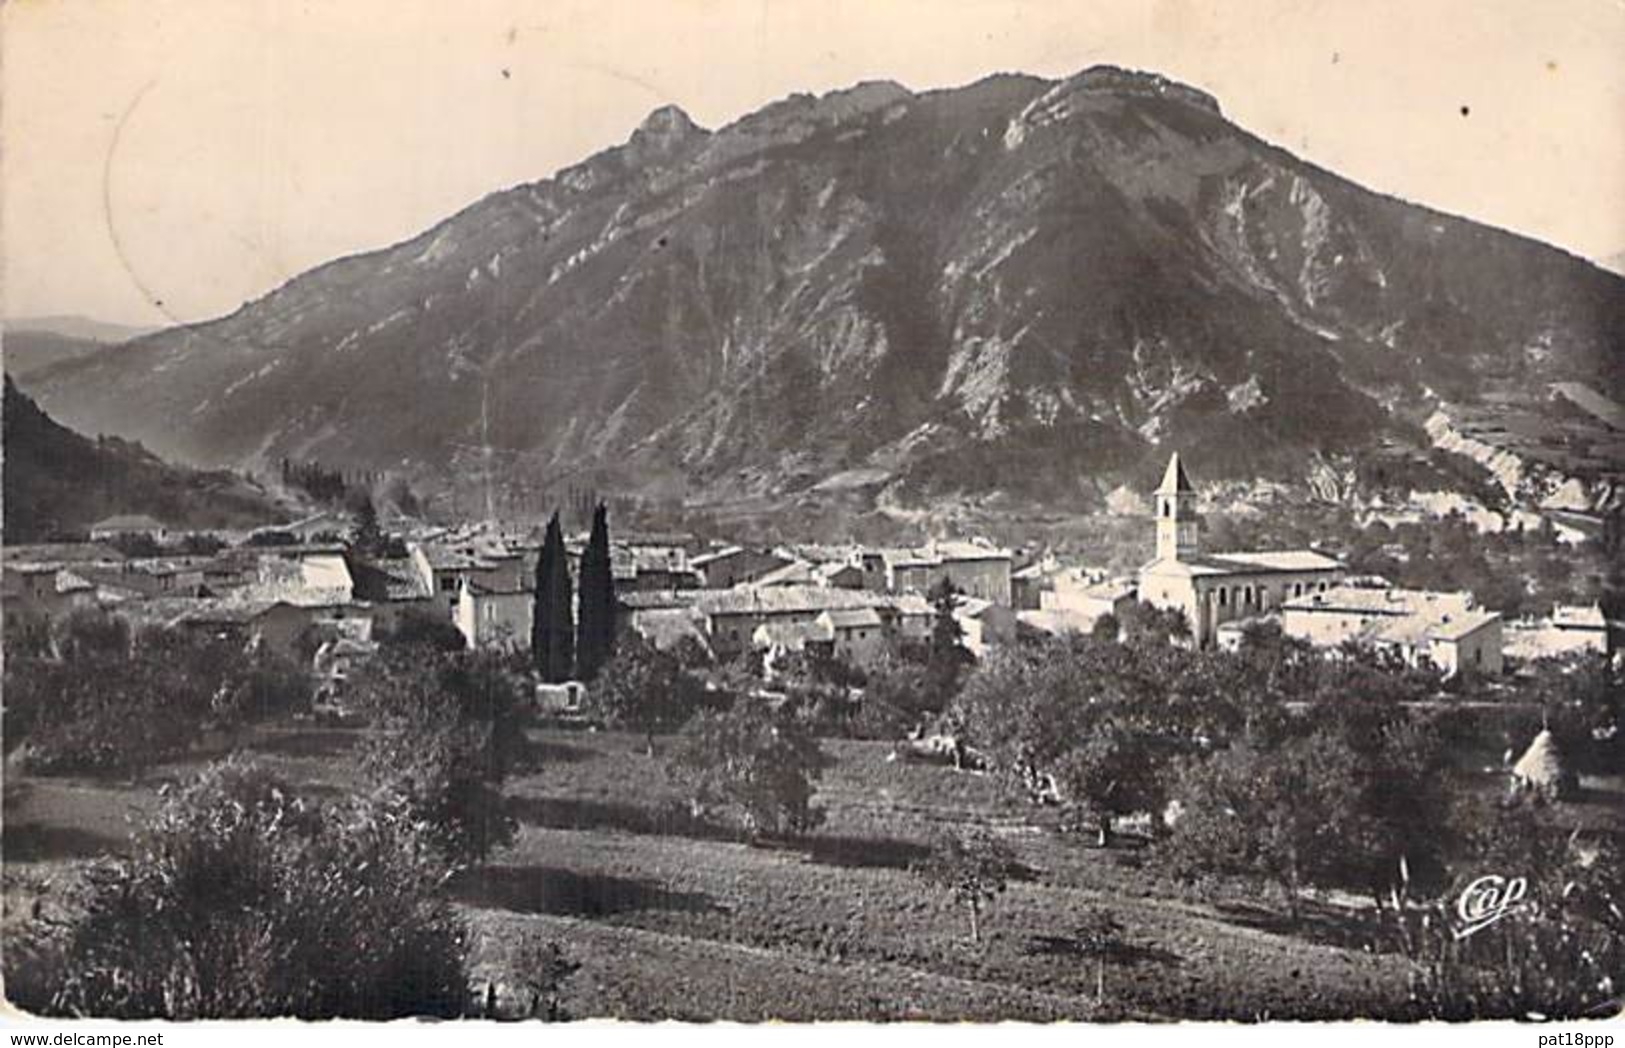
<point x="1178" y="527"/>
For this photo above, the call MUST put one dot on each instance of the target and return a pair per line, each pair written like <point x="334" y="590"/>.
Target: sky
<point x="166" y="160"/>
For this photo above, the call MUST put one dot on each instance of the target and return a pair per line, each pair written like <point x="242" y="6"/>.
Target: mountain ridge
<point x="1057" y="277"/>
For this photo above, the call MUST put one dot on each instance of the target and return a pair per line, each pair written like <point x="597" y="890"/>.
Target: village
<point x="892" y="712"/>
<point x="306" y="583"/>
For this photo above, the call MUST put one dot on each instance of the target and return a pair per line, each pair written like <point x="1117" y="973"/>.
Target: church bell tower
<point x="1178" y="526"/>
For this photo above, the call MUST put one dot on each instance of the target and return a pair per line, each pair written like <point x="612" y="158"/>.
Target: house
<point x="647" y="567"/>
<point x="840" y="575"/>
<point x="337" y="659"/>
<point x="272" y="624"/>
<point x="491" y="618"/>
<point x="318" y="527"/>
<point x="909" y="619"/>
<point x="795" y="573"/>
<point x="173" y="576"/>
<point x="973" y="568"/>
<point x="1083" y="597"/>
<point x="392" y="588"/>
<point x="1028" y="584"/>
<point x="734" y="566"/>
<point x="1214" y="588"/>
<point x="318" y="580"/>
<point x="732" y="616"/>
<point x="984" y="624"/>
<point x="443" y="567"/>
<point x="32" y="596"/>
<point x="567" y="698"/>
<point x="858" y="636"/>
<point x="1448" y="631"/>
<point x="1570" y="630"/>
<point x="127" y="526"/>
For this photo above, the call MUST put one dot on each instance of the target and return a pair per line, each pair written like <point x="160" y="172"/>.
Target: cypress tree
<point x="552" y="637"/>
<point x="595" y="634"/>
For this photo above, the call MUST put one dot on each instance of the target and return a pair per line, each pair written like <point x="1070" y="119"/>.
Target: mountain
<point x="1020" y="286"/>
<point x="29" y="344"/>
<point x="88" y="329"/>
<point x="57" y="482"/>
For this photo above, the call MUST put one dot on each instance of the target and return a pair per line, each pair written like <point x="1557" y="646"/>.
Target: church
<point x="1215" y="588"/>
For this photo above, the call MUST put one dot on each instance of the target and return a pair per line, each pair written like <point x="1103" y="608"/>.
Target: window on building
<point x="1222" y="594"/>
<point x="1247" y="594"/>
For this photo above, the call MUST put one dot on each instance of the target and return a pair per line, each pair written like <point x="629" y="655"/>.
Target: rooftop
<point x="1247" y="563"/>
<point x="127" y="522"/>
<point x="1400" y="616"/>
<point x="852" y="618"/>
<point x="783" y="600"/>
<point x="1174" y="480"/>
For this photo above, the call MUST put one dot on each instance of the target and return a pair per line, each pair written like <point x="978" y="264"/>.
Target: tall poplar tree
<point x="552" y="636"/>
<point x="595" y="634"/>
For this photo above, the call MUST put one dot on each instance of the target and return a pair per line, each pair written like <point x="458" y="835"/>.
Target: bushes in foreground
<point x="243" y="900"/>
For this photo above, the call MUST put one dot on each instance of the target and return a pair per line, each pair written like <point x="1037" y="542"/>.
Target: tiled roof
<point x="852" y="618"/>
<point x="792" y="635"/>
<point x="1246" y="563"/>
<point x="127" y="522"/>
<point x="1400" y="616"/>
<point x="648" y="600"/>
<point x="1573" y="616"/>
<point x="705" y="559"/>
<point x="1390" y="601"/>
<point x="798" y="572"/>
<point x="783" y="600"/>
<point x="60" y="552"/>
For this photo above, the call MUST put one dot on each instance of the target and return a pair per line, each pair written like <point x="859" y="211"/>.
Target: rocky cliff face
<point x="1020" y="285"/>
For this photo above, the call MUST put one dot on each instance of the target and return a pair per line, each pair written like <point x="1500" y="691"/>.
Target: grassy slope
<point x="667" y="923"/>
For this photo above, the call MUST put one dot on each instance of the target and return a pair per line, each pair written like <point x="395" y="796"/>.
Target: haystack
<point x="1543" y="770"/>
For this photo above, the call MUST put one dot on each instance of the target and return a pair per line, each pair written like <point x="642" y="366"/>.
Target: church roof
<point x="1244" y="564"/>
<point x="1174" y="481"/>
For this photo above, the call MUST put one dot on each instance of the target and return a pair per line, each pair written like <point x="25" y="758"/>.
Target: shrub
<point x="242" y="900"/>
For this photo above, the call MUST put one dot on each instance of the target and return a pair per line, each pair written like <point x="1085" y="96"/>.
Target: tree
<point x="974" y="867"/>
<point x="418" y="628"/>
<point x="368" y="539"/>
<point x="595" y="633"/>
<point x="1249" y="813"/>
<point x="1097" y="934"/>
<point x="646" y="690"/>
<point x="1077" y="722"/>
<point x="112" y="703"/>
<point x="755" y="762"/>
<point x="949" y="658"/>
<point x="1143" y="623"/>
<point x="243" y="900"/>
<point x="450" y="735"/>
<point x="552" y="633"/>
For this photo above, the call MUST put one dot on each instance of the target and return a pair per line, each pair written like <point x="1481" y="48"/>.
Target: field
<point x="672" y="920"/>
